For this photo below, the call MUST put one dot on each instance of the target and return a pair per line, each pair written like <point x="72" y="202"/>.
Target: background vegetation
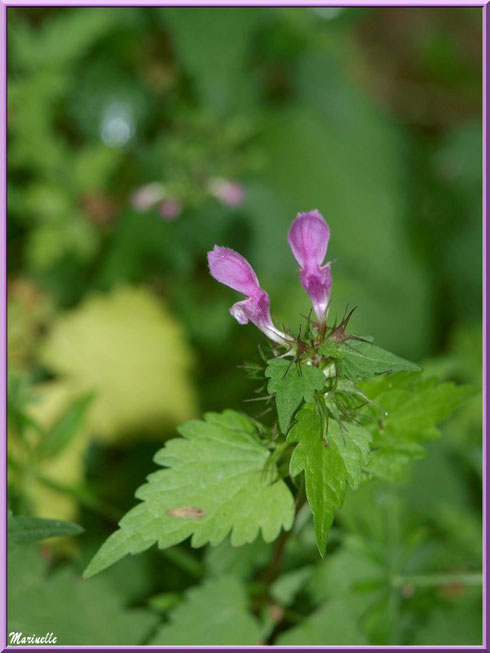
<point x="137" y="139"/>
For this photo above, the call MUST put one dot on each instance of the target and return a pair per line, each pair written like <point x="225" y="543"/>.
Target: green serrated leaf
<point x="330" y="349"/>
<point x="333" y="349"/>
<point x="347" y="387"/>
<point x="420" y="409"/>
<point x="352" y="442"/>
<point x="214" y="613"/>
<point x="390" y="463"/>
<point x="328" y="465"/>
<point x="291" y="385"/>
<point x="66" y="428"/>
<point x="215" y="482"/>
<point x="22" y="528"/>
<point x="364" y="360"/>
<point x="412" y="407"/>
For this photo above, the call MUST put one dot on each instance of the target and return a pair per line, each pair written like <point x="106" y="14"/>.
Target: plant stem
<point x="274" y="567"/>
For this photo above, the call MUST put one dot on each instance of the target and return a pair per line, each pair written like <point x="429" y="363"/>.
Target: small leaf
<point x="214" y="613"/>
<point x="291" y="385"/>
<point x="65" y="428"/>
<point x="328" y="465"/>
<point x="364" y="360"/>
<point x="215" y="482"/>
<point x="28" y="529"/>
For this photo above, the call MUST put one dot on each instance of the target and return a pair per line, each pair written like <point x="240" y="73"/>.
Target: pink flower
<point x="228" y="192"/>
<point x="147" y="196"/>
<point x="170" y="209"/>
<point x="232" y="269"/>
<point x="308" y="239"/>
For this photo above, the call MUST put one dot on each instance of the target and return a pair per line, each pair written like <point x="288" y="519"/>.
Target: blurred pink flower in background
<point x="147" y="196"/>
<point x="228" y="192"/>
<point x="170" y="209"/>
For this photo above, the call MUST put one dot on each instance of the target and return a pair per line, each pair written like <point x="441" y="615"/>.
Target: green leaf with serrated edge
<point x="328" y="465"/>
<point x="362" y="360"/>
<point x="390" y="463"/>
<point x="346" y="387"/>
<point x="66" y="428"/>
<point x="422" y="410"/>
<point x="22" y="528"/>
<point x="408" y="408"/>
<point x="216" y="481"/>
<point x="292" y="384"/>
<point x="352" y="442"/>
<point x="332" y="349"/>
<point x="214" y="613"/>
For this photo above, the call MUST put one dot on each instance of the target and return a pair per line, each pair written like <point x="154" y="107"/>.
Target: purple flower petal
<point x="253" y="310"/>
<point x="318" y="285"/>
<point x="228" y="192"/>
<point x="232" y="269"/>
<point x="308" y="239"/>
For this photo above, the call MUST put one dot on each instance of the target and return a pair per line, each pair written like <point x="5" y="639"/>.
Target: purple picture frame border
<point x="4" y="5"/>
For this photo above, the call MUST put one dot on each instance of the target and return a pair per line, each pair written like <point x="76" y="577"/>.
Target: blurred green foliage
<point x="370" y="115"/>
